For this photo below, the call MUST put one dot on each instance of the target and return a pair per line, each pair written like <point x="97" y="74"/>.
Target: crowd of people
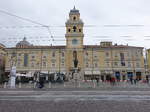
<point x="132" y="80"/>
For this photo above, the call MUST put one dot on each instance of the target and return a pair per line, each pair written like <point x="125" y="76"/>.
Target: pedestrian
<point x="97" y="80"/>
<point x="135" y="80"/>
<point x="113" y="81"/>
<point x="131" y="80"/>
<point x="147" y="79"/>
<point x="41" y="84"/>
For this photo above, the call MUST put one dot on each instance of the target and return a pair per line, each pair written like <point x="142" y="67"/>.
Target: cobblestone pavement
<point x="74" y="101"/>
<point x="74" y="106"/>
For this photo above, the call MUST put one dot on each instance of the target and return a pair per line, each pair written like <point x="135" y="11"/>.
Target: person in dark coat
<point x="41" y="84"/>
<point x="147" y="79"/>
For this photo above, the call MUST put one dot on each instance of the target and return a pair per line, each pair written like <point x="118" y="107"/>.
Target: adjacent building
<point x="94" y="61"/>
<point x="2" y="62"/>
<point x="147" y="67"/>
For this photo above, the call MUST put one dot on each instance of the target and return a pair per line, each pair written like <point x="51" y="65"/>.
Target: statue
<point x="75" y="59"/>
<point x="75" y="63"/>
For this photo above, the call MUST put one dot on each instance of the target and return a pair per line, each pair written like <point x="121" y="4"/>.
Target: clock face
<point x="74" y="41"/>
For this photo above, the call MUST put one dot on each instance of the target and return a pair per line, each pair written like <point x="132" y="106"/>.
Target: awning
<point x="18" y="74"/>
<point x="25" y="75"/>
<point x="30" y="74"/>
<point x="46" y="72"/>
<point x="63" y="72"/>
<point x="88" y="72"/>
<point x="108" y="72"/>
<point x="92" y="72"/>
<point x="96" y="72"/>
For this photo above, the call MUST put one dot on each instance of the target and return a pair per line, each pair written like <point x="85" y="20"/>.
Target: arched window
<point x="75" y="54"/>
<point x="69" y="30"/>
<point x="74" y="18"/>
<point x="74" y="28"/>
<point x="80" y="30"/>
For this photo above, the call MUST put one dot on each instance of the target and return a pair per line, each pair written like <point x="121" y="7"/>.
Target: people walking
<point x="147" y="79"/>
<point x="112" y="81"/>
<point x="135" y="80"/>
<point x="131" y="79"/>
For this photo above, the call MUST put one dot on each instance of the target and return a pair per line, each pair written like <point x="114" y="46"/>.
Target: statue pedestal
<point x="76" y="75"/>
<point x="13" y="78"/>
<point x="76" y="70"/>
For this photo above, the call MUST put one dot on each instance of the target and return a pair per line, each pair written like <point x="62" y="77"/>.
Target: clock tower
<point x="74" y="42"/>
<point x="74" y="30"/>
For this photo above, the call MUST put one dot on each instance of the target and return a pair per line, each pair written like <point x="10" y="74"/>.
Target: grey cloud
<point x="93" y="12"/>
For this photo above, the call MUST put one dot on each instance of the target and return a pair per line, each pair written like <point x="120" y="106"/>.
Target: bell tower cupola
<point x="74" y="30"/>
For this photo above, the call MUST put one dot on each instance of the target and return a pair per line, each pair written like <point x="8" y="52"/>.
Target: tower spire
<point x="74" y="8"/>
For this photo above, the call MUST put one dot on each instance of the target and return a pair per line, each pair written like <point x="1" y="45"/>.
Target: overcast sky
<point x="120" y="21"/>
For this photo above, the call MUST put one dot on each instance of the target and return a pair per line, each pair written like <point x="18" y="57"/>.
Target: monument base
<point x="76" y="74"/>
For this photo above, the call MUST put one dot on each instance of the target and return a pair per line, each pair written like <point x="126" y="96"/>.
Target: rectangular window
<point x="137" y="54"/>
<point x="19" y="54"/>
<point x="87" y="64"/>
<point x="107" y="54"/>
<point x="53" y="54"/>
<point x="62" y="54"/>
<point x="96" y="65"/>
<point x="123" y="63"/>
<point x="86" y="54"/>
<point x="122" y="59"/>
<point x="128" y="54"/>
<point x="25" y="60"/>
<point x="116" y="63"/>
<point x="62" y="63"/>
<point x="129" y="64"/>
<point x="137" y="64"/>
<point x="33" y="57"/>
<point x="37" y="64"/>
<point x="44" y="64"/>
<point x="32" y="64"/>
<point x="116" y="55"/>
<point x="107" y="63"/>
<point x="44" y="57"/>
<point x="122" y="56"/>
<point x="53" y="64"/>
<point x="18" y="64"/>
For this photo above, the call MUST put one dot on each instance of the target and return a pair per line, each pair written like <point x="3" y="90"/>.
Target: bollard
<point x="64" y="84"/>
<point x="50" y="86"/>
<point x="94" y="84"/>
<point x="5" y="85"/>
<point x="19" y="84"/>
<point x="79" y="84"/>
<point x="34" y="85"/>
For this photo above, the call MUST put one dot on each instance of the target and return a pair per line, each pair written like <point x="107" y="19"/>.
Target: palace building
<point x="93" y="61"/>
